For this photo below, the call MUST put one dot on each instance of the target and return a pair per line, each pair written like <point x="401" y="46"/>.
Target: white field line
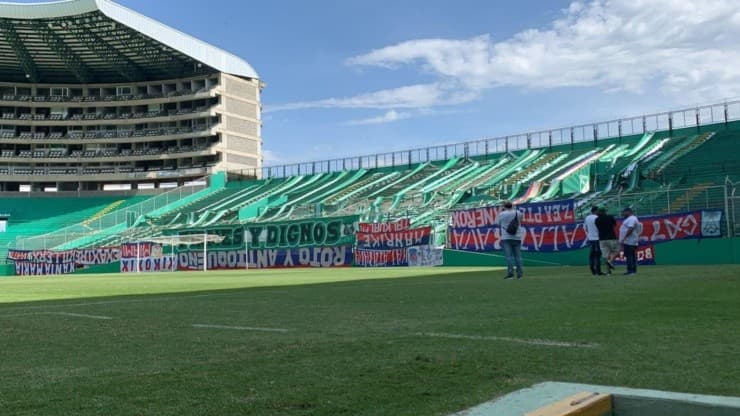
<point x="113" y="302"/>
<point x="72" y="315"/>
<point x="240" y="328"/>
<point x="79" y="315"/>
<point x="541" y="342"/>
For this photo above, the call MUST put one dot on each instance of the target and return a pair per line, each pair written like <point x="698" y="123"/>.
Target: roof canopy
<point x="89" y="41"/>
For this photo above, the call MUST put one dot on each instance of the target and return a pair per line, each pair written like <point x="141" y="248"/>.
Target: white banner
<point x="425" y="256"/>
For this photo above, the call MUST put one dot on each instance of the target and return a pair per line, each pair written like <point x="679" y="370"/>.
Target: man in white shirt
<point x="511" y="243"/>
<point x="629" y="237"/>
<point x="592" y="235"/>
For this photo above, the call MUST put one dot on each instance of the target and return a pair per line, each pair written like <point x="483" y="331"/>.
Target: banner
<point x="337" y="256"/>
<point x="25" y="268"/>
<point x="83" y="256"/>
<point x="539" y="213"/>
<point x="656" y="229"/>
<point x="142" y="249"/>
<point x="645" y="256"/>
<point x="150" y="258"/>
<point x="688" y="225"/>
<point x="317" y="232"/>
<point x="425" y="256"/>
<point x="42" y="256"/>
<point x="385" y="227"/>
<point x="545" y="239"/>
<point x="393" y="240"/>
<point x="381" y="258"/>
<point x="104" y="255"/>
<point x="579" y="182"/>
<point x="149" y="264"/>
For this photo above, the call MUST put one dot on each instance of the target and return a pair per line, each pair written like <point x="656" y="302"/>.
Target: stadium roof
<point x="88" y="41"/>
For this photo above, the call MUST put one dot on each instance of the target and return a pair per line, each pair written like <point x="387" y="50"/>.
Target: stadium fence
<point x="699" y="116"/>
<point x="115" y="218"/>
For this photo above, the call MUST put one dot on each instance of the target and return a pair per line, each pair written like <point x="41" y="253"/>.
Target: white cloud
<point x="388" y="117"/>
<point x="681" y="50"/>
<point x="687" y="49"/>
<point x="411" y="96"/>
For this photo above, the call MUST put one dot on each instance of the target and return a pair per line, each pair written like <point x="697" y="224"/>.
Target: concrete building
<point x="95" y="96"/>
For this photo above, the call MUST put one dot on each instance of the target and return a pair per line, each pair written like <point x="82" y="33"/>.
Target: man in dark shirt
<point x="608" y="242"/>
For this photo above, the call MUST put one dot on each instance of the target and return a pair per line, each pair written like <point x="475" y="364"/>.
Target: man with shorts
<point x="606" y="225"/>
<point x="629" y="237"/>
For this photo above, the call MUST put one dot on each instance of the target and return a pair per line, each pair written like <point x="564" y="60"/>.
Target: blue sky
<point x="359" y="77"/>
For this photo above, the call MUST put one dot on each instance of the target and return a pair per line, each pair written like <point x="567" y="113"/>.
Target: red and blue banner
<point x="385" y="227"/>
<point x="381" y="258"/>
<point x="538" y="213"/>
<point x="389" y="248"/>
<point x="394" y="240"/>
<point x="656" y="229"/>
<point x="687" y="225"/>
<point x="546" y="239"/>
<point x="645" y="256"/>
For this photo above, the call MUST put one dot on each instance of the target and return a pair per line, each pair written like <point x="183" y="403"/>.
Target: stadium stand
<point x="639" y="170"/>
<point x="30" y="217"/>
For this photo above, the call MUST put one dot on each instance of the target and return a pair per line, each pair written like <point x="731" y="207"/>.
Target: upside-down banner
<point x="335" y="256"/>
<point x="385" y="227"/>
<point x="395" y="239"/>
<point x="83" y="256"/>
<point x="540" y="213"/>
<point x="146" y="257"/>
<point x="27" y="268"/>
<point x="389" y="248"/>
<point x="396" y="257"/>
<point x="49" y="262"/>
<point x="656" y="229"/>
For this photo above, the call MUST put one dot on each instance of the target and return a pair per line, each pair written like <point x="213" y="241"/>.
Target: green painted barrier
<point x="679" y="252"/>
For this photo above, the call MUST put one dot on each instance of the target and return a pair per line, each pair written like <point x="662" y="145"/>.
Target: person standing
<point x="592" y="235"/>
<point x="608" y="243"/>
<point x="629" y="237"/>
<point x="511" y="239"/>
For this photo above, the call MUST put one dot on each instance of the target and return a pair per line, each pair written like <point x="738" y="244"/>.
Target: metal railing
<point x="705" y="115"/>
<point x="671" y="201"/>
<point x="107" y="221"/>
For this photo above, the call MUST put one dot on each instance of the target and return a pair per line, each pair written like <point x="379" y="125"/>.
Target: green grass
<point x="354" y="345"/>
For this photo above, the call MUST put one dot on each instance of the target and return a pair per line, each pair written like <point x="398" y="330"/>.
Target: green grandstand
<point x="639" y="170"/>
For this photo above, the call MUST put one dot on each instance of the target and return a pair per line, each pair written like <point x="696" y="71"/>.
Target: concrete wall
<point x="682" y="252"/>
<point x="241" y="126"/>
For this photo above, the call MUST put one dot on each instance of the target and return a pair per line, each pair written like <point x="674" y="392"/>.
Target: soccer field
<point x="357" y="341"/>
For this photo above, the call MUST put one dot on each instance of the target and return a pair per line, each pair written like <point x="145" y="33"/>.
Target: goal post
<point x="176" y="240"/>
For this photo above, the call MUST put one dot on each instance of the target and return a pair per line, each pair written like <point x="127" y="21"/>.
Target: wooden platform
<point x="581" y="404"/>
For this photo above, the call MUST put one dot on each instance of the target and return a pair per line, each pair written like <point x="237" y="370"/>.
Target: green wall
<point x="681" y="252"/>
